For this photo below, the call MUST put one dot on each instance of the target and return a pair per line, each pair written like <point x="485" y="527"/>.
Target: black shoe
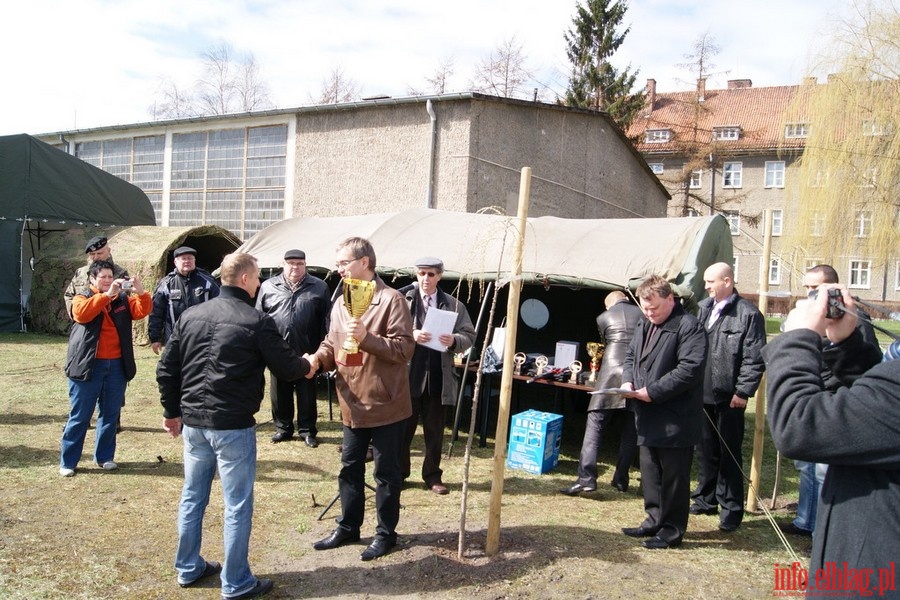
<point x="338" y="537"/>
<point x="575" y="489"/>
<point x="263" y="586"/>
<point x="282" y="436"/>
<point x="728" y="527"/>
<point x="378" y="548"/>
<point x="637" y="532"/>
<point x="311" y="441"/>
<point x="211" y="568"/>
<point x="696" y="509"/>
<point x="657" y="543"/>
<point x="622" y="487"/>
<point x="791" y="529"/>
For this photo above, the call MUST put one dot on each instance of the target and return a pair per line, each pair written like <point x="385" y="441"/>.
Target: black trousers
<point x="666" y="479"/>
<point x="281" y="395"/>
<point x="433" y="416"/>
<point x="597" y="421"/>
<point x="720" y="463"/>
<point x="387" y="444"/>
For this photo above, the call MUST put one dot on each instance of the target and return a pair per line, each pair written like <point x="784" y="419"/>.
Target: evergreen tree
<point x="595" y="83"/>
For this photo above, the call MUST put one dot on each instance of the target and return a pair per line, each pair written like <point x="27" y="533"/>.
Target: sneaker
<point x="66" y="472"/>
<point x="109" y="466"/>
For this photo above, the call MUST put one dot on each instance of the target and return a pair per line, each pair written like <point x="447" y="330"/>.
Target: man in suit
<point x="664" y="369"/>
<point x="736" y="331"/>
<point x="616" y="326"/>
<point x="433" y="382"/>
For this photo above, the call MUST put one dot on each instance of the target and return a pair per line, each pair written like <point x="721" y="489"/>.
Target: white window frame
<point x="656" y="168"/>
<point x="734" y="221"/>
<point x="796" y="130"/>
<point x="817" y="224"/>
<point x="774" y="174"/>
<point x="874" y="127"/>
<point x="732" y="175"/>
<point x="862" y="224"/>
<point x="777" y="222"/>
<point x="696" y="182"/>
<point x="726" y="133"/>
<point x="775" y="271"/>
<point x="860" y="274"/>
<point x="657" y="136"/>
<point x="734" y="267"/>
<point x="693" y="212"/>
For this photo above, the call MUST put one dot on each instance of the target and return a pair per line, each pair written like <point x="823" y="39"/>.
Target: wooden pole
<point x="759" y="429"/>
<point x="509" y="351"/>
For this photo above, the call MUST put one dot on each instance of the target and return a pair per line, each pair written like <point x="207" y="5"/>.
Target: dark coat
<point x="672" y="372"/>
<point x="616" y="327"/>
<point x="735" y="341"/>
<point x="855" y="430"/>
<point x="300" y="315"/>
<point x="174" y="295"/>
<point x="212" y="371"/>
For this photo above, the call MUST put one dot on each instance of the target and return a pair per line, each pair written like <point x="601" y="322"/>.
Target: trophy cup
<point x="595" y="351"/>
<point x="519" y="359"/>
<point x="540" y="363"/>
<point x="575" y="369"/>
<point x="358" y="295"/>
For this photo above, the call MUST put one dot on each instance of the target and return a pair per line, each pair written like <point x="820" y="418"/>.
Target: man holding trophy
<point x="370" y="343"/>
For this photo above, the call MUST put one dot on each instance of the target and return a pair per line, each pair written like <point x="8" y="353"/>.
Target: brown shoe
<point x="440" y="489"/>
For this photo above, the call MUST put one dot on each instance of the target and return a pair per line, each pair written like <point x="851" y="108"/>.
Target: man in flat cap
<point x="433" y="382"/>
<point x="299" y="303"/>
<point x="179" y="290"/>
<point x="96" y="249"/>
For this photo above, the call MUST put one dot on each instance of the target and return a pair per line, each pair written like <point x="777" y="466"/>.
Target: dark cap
<point x="429" y="262"/>
<point x="95" y="244"/>
<point x="184" y="250"/>
<point x="295" y="255"/>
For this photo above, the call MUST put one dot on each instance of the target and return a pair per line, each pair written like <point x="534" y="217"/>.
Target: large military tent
<point x="44" y="191"/>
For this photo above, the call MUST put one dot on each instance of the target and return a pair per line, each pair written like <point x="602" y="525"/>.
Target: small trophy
<point x="595" y="350"/>
<point x="519" y="359"/>
<point x="358" y="296"/>
<point x="575" y="368"/>
<point x="540" y="363"/>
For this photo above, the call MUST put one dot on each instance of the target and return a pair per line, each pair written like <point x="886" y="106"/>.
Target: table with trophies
<point x="536" y="370"/>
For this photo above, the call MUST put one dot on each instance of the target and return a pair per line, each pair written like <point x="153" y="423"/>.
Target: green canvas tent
<point x="45" y="190"/>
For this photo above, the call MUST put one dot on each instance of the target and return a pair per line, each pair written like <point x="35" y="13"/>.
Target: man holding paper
<point x="441" y="327"/>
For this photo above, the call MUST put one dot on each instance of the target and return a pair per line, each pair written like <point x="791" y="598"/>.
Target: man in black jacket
<point x="664" y="368"/>
<point x="211" y="379"/>
<point x="736" y="331"/>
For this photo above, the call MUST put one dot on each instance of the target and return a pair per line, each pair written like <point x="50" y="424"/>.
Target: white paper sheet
<point x="438" y="322"/>
<point x="612" y="391"/>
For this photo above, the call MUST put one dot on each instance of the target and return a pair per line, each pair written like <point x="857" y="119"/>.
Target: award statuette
<point x="575" y="369"/>
<point x="358" y="295"/>
<point x="519" y="359"/>
<point x="540" y="363"/>
<point x="595" y="350"/>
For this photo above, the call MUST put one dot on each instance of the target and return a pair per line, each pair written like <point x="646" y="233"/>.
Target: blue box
<point x="534" y="439"/>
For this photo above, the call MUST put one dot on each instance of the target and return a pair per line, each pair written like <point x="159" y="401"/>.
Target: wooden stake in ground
<point x="512" y="319"/>
<point x="759" y="428"/>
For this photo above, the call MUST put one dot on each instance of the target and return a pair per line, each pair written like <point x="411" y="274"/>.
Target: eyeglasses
<point x="426" y="274"/>
<point x="343" y="264"/>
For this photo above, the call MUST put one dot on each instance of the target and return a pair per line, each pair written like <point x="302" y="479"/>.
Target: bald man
<point x="736" y="331"/>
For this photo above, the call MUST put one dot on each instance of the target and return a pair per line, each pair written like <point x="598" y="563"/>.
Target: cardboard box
<point x="534" y="439"/>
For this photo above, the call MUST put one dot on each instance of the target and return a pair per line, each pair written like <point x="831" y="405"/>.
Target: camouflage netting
<point x="143" y="251"/>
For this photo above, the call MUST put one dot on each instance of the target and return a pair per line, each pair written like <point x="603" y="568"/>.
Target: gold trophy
<point x="595" y="351"/>
<point x="358" y="296"/>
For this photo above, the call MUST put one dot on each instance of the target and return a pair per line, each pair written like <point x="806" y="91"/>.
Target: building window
<point x="810" y="263"/>
<point x="726" y="133"/>
<point x="860" y="274"/>
<point x="657" y="136"/>
<point x="817" y="224"/>
<point x="734" y="266"/>
<point x="820" y="179"/>
<point x="876" y="127"/>
<point x="657" y="168"/>
<point x="870" y="177"/>
<point x="731" y="174"/>
<point x="777" y="221"/>
<point x="775" y="271"/>
<point x="734" y="221"/>
<point x="692" y="212"/>
<point x="796" y="130"/>
<point x="862" y="226"/>
<point x="696" y="179"/>
<point x="775" y="174"/>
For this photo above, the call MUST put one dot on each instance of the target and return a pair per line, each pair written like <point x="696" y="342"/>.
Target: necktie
<point x="714" y="316"/>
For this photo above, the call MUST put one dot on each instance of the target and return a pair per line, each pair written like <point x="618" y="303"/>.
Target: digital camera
<point x="127" y="285"/>
<point x="835" y="302"/>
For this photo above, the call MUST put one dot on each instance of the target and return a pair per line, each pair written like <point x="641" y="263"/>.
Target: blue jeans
<point x="104" y="390"/>
<point x="233" y="452"/>
<point x="808" y="497"/>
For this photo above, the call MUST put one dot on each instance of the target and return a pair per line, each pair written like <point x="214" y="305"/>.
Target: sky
<point x="82" y="64"/>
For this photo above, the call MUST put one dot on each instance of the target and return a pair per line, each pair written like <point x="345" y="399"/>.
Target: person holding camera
<point x="96" y="249"/>
<point x="100" y="362"/>
<point x="184" y="287"/>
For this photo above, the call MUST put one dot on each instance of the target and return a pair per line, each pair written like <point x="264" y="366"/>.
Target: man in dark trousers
<point x="211" y="378"/>
<point x="184" y="287"/>
<point x="736" y="331"/>
<point x="299" y="303"/>
<point x="433" y="382"/>
<point x="616" y="326"/>
<point x="664" y="369"/>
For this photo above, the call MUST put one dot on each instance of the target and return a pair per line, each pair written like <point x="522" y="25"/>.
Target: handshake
<point x="313" y="365"/>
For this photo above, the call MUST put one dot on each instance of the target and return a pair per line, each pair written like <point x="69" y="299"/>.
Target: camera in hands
<point x="127" y="284"/>
<point x="835" y="302"/>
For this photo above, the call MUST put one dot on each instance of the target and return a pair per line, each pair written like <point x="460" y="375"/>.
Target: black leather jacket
<point x="174" y="295"/>
<point x="299" y="315"/>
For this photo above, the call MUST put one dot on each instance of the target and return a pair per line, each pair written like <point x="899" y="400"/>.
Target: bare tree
<point x="251" y="91"/>
<point x="216" y="87"/>
<point x="439" y="80"/>
<point x="503" y="73"/>
<point x="337" y="88"/>
<point x="173" y="103"/>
